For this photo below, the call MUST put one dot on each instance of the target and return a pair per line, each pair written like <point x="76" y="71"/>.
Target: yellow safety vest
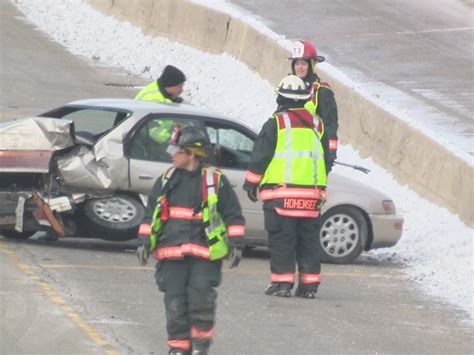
<point x="152" y="92"/>
<point x="214" y="226"/>
<point x="312" y="105"/>
<point x="299" y="154"/>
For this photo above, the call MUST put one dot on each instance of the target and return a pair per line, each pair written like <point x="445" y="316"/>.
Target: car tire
<point x="113" y="218"/>
<point x="341" y="234"/>
<point x="12" y="234"/>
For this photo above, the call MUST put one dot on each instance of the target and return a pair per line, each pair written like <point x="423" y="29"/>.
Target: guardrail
<point x="412" y="157"/>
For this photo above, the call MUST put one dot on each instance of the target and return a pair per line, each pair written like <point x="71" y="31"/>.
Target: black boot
<point x="306" y="291"/>
<point x="279" y="289"/>
<point x="201" y="347"/>
<point x="48" y="237"/>
<point x="179" y="352"/>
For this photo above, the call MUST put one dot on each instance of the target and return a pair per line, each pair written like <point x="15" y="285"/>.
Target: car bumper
<point x="387" y="230"/>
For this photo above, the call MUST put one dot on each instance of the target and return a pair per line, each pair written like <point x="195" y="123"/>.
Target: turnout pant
<point x="190" y="299"/>
<point x="293" y="241"/>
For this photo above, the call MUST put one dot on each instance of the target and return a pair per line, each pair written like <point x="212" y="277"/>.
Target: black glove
<point x="143" y="253"/>
<point x="329" y="157"/>
<point x="235" y="253"/>
<point x="253" y="194"/>
<point x="234" y="257"/>
<point x="329" y="165"/>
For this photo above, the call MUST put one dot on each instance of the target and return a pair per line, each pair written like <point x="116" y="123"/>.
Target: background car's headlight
<point x="389" y="207"/>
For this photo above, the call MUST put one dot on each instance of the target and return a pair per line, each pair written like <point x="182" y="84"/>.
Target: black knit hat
<point x="171" y="76"/>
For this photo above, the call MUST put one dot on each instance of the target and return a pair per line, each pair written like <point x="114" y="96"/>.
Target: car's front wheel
<point x="342" y="232"/>
<point x="114" y="218"/>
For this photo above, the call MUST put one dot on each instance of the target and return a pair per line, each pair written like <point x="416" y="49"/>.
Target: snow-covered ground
<point x="436" y="246"/>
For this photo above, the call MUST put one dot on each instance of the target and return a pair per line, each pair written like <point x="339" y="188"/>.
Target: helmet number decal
<point x="298" y="50"/>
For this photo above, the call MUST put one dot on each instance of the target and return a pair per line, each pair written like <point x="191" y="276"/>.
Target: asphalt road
<point x="422" y="48"/>
<point x="37" y="74"/>
<point x="366" y="308"/>
<point x="90" y="296"/>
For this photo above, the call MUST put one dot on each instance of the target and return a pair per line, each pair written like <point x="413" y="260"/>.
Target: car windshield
<point x="90" y="123"/>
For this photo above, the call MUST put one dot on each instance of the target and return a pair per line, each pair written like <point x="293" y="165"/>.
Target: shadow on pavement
<point x="365" y="260"/>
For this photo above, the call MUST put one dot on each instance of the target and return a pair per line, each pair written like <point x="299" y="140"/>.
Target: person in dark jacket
<point x="288" y="167"/>
<point x="193" y="221"/>
<point x="304" y="59"/>
<point x="167" y="88"/>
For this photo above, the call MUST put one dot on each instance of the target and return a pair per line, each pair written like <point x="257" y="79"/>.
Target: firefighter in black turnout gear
<point x="193" y="222"/>
<point x="288" y="166"/>
<point x="304" y="59"/>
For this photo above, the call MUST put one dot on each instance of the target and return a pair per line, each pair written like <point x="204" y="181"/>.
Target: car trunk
<point x="27" y="145"/>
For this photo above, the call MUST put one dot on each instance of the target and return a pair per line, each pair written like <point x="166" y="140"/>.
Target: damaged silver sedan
<point x="85" y="170"/>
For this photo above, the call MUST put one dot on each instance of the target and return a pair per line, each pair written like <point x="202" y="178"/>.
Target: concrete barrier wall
<point x="412" y="157"/>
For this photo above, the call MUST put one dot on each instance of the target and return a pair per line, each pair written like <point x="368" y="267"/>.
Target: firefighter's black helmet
<point x="191" y="138"/>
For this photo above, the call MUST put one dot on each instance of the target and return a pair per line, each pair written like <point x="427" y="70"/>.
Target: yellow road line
<point x="359" y="274"/>
<point x="95" y="267"/>
<point x="57" y="299"/>
<point x="9" y="13"/>
<point x="9" y="116"/>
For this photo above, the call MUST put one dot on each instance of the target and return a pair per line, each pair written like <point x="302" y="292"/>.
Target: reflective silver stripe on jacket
<point x="317" y="145"/>
<point x="211" y="189"/>
<point x="289" y="154"/>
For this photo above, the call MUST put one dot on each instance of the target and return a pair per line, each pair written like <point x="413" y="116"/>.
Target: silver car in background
<point x="96" y="163"/>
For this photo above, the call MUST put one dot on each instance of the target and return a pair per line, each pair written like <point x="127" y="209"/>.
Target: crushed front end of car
<point x="50" y="181"/>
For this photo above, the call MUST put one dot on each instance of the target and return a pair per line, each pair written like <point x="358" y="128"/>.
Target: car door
<point x="147" y="146"/>
<point x="233" y="146"/>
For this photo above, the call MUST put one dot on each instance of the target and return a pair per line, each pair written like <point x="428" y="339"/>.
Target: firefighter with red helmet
<point x="304" y="59"/>
<point x="193" y="222"/>
<point x="287" y="165"/>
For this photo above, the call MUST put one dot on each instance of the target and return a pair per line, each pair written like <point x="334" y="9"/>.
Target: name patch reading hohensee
<point x="299" y="203"/>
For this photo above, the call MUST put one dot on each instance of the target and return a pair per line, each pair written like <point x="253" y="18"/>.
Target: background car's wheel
<point x="12" y="234"/>
<point x="342" y="231"/>
<point x="113" y="218"/>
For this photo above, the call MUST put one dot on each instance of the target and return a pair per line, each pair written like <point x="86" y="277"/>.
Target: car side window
<point x="152" y="139"/>
<point x="232" y="148"/>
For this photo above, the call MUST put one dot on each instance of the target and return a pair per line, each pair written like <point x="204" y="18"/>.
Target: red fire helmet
<point x="305" y="50"/>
